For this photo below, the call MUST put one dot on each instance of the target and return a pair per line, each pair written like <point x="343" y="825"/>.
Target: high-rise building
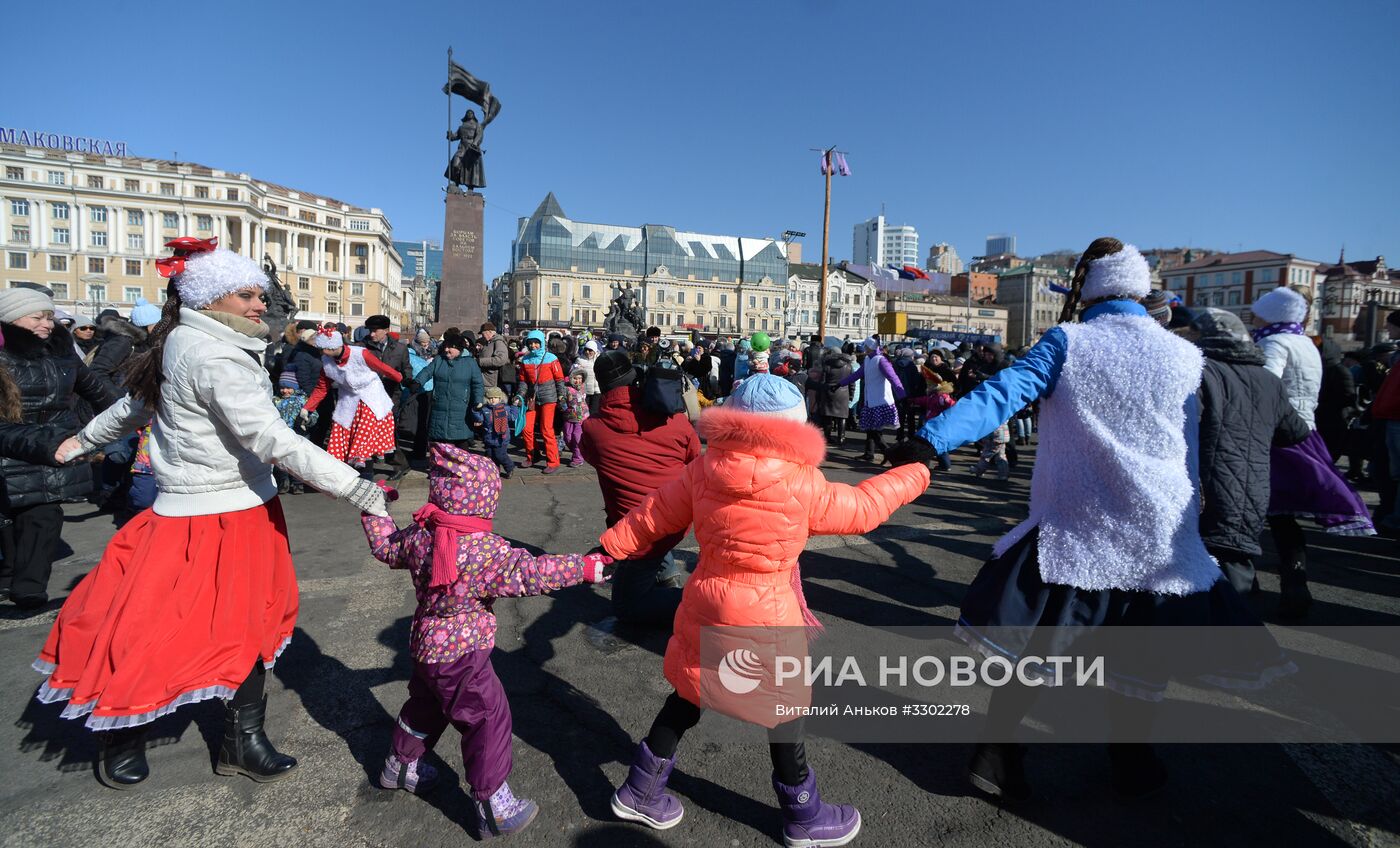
<point x="422" y="274"/>
<point x="943" y="258"/>
<point x="89" y="227"/>
<point x="564" y="274"/>
<point x="868" y="242"/>
<point x="420" y="259"/>
<point x="877" y="243"/>
<point x="1001" y="243"/>
<point x="901" y="246"/>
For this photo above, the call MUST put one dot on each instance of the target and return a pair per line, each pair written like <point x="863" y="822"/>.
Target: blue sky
<point x="1222" y="124"/>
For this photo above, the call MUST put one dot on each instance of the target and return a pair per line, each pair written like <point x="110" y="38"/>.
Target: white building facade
<point x="850" y="300"/>
<point x="89" y="228"/>
<point x="943" y="258"/>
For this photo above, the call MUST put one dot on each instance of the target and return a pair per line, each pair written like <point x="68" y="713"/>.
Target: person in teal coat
<point x="456" y="391"/>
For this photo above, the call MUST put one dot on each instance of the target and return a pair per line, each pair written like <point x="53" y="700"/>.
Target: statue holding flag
<point x="465" y="169"/>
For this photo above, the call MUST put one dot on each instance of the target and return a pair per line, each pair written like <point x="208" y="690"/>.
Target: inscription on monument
<point x="463" y="244"/>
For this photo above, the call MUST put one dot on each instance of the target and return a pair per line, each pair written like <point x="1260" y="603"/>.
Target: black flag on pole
<point x="461" y="82"/>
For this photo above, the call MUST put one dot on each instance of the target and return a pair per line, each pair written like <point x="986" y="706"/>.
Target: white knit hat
<point x="1124" y="273"/>
<point x="1281" y="306"/>
<point x="213" y="274"/>
<point x="15" y="303"/>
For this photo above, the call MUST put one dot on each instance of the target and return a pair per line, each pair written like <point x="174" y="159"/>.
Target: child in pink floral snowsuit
<point x="459" y="567"/>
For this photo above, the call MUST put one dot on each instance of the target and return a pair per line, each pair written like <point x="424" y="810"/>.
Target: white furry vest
<point x="357" y="382"/>
<point x="1111" y="492"/>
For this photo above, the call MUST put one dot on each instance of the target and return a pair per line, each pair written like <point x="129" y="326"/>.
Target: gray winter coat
<point x="1244" y="411"/>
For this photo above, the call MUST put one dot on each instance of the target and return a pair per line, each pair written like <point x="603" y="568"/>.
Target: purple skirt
<point x="1304" y="483"/>
<point x="878" y="418"/>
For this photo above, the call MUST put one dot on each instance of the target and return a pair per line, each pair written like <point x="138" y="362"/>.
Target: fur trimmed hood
<point x="762" y="436"/>
<point x="25" y="345"/>
<point x="116" y="326"/>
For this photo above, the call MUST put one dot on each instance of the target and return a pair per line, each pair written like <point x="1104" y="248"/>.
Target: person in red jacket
<point x="636" y="452"/>
<point x="542" y="382"/>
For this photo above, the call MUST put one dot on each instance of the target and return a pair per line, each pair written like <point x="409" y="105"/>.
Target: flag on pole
<point x="461" y="82"/>
<point x="916" y="271"/>
<point x="834" y="162"/>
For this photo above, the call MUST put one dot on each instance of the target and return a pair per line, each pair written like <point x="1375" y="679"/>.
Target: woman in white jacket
<point x="1303" y="479"/>
<point x="195" y="597"/>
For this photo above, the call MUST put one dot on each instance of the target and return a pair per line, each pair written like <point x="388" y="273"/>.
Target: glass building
<point x="558" y="243"/>
<point x="420" y="259"/>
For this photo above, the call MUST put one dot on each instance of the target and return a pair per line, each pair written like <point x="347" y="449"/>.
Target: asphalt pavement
<point x="582" y="690"/>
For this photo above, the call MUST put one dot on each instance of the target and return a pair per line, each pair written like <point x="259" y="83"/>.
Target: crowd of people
<point x="1168" y="439"/>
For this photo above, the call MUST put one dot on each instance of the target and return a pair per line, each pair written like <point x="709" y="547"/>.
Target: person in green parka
<point x="456" y="393"/>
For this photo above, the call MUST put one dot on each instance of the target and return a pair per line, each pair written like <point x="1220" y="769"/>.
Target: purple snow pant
<point x="573" y="435"/>
<point x="467" y="693"/>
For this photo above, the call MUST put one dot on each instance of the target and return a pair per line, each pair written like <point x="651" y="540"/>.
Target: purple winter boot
<point x="504" y="814"/>
<point x="642" y="797"/>
<point x="414" y="776"/>
<point x="808" y="822"/>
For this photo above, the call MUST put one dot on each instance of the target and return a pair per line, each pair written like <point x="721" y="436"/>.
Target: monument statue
<point x="465" y="168"/>
<point x="281" y="306"/>
<point x="462" y="291"/>
<point x="625" y="313"/>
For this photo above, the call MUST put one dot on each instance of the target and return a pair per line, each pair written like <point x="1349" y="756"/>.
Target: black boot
<point x="121" y="760"/>
<point x="1137" y="773"/>
<point x="246" y="749"/>
<point x="841" y="434"/>
<point x="1294" y="597"/>
<point x="869" y="455"/>
<point x="998" y="769"/>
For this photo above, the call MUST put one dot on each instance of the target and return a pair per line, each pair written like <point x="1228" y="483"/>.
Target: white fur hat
<point x="212" y="274"/>
<point x="1124" y="273"/>
<point x="1281" y="306"/>
<point x="328" y="338"/>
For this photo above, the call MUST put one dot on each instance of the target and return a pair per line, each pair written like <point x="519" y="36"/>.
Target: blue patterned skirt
<point x="878" y="418"/>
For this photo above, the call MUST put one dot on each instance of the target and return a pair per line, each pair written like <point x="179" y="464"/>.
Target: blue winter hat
<point x="765" y="394"/>
<point x="145" y="313"/>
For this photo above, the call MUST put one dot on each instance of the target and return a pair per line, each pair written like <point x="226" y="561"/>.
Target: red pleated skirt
<point x="176" y="612"/>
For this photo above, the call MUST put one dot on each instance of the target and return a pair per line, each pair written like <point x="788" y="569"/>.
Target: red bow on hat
<point x="184" y="247"/>
<point x="328" y="330"/>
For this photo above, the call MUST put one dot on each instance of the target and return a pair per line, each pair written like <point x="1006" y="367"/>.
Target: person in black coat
<point x="39" y="356"/>
<point x="1336" y="402"/>
<point x="1244" y="411"/>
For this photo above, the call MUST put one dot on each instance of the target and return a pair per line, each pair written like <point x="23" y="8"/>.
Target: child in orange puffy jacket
<point x="753" y="498"/>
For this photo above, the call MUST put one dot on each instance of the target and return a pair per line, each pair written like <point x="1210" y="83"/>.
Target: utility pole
<point x="826" y="234"/>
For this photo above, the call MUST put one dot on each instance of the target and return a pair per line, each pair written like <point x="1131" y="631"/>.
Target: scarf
<point x="538" y="357"/>
<point x="1275" y="329"/>
<point x="446" y="527"/>
<point x="239" y="324"/>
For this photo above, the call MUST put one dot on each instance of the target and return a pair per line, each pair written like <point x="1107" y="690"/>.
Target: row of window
<point x="332" y="287"/>
<point x="98" y="215"/>
<point x="58" y="264"/>
<point x="97" y="181"/>
<point x="333" y="308"/>
<point x="96" y="292"/>
<point x="168" y="190"/>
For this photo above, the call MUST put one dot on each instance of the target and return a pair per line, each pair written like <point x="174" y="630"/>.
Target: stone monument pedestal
<point x="462" y="292"/>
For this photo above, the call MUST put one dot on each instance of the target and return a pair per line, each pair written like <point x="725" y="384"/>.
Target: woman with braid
<point x="1112" y="538"/>
<point x="195" y="597"/>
